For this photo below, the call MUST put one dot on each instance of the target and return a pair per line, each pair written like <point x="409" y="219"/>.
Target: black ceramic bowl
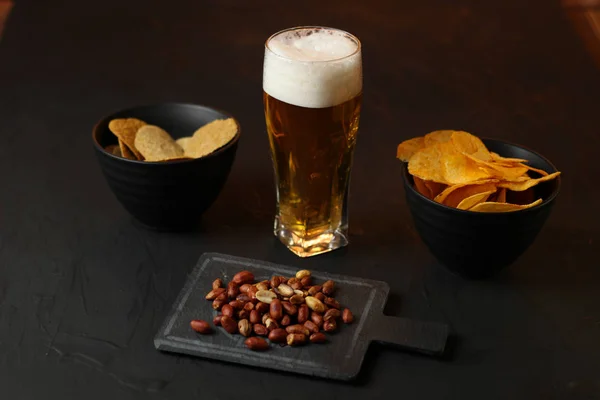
<point x="478" y="245"/>
<point x="167" y="195"/>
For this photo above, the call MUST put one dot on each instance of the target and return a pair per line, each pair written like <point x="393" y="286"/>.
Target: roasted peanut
<point x="244" y="327"/>
<point x="271" y="324"/>
<point x="262" y="285"/>
<point x="311" y="326"/>
<point x="252" y="292"/>
<point x="328" y="288"/>
<point x="285" y="290"/>
<point x="217" y="283"/>
<point x="229" y="324"/>
<point x="249" y="306"/>
<point x="256" y="343"/>
<point x="303" y="273"/>
<point x="243" y="314"/>
<point x="219" y="301"/>
<point x="331" y="302"/>
<point x="278" y="335"/>
<point x="318" y="338"/>
<point x="347" y="316"/>
<point x="243" y="277"/>
<point x="266" y="296"/>
<point x="232" y="290"/>
<point x="329" y="326"/>
<point x="227" y="310"/>
<point x="295" y="339"/>
<point x="214" y="293"/>
<point x="289" y="308"/>
<point x="297" y="329"/>
<point x="254" y="317"/>
<point x="244" y="288"/>
<point x="317" y="319"/>
<point x="217" y="320"/>
<point x="264" y="318"/>
<point x="276" y="310"/>
<point x="297" y="299"/>
<point x="262" y="307"/>
<point x="306" y="281"/>
<point x="260" y="330"/>
<point x="275" y="281"/>
<point x="285" y="321"/>
<point x="295" y="283"/>
<point x="303" y="313"/>
<point x="331" y="314"/>
<point x="238" y="305"/>
<point x="243" y="297"/>
<point x="200" y="326"/>
<point x="315" y="304"/>
<point x="314" y="290"/>
<point x="320" y="296"/>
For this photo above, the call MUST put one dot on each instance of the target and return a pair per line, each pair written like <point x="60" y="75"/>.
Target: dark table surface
<point x="83" y="290"/>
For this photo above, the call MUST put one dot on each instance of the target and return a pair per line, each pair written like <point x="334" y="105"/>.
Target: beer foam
<point x="312" y="67"/>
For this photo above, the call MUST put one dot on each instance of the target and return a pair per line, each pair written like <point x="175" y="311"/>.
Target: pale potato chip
<point x="501" y="195"/>
<point x="454" y="198"/>
<point x="125" y="152"/>
<point x="184" y="142"/>
<point x="490" y="207"/>
<point x="531" y="182"/>
<point x="211" y="137"/>
<point x="409" y="147"/>
<point x="125" y="129"/>
<point x="472" y="201"/>
<point x="466" y="143"/>
<point x="113" y="149"/>
<point x="156" y="145"/>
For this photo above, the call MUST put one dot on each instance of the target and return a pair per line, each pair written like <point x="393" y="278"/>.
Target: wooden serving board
<point x="340" y="358"/>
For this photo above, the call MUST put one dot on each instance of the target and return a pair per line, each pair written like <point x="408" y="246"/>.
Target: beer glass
<point x="312" y="94"/>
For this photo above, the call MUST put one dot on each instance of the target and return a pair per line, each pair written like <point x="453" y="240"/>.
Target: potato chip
<point x="113" y="149"/>
<point x="446" y="192"/>
<point x="460" y="168"/>
<point x="125" y="152"/>
<point x="211" y="137"/>
<point x="454" y="197"/>
<point x="501" y="195"/>
<point x="426" y="164"/>
<point x="409" y="147"/>
<point x="498" y="158"/>
<point x="520" y="186"/>
<point x="490" y="207"/>
<point x="539" y="171"/>
<point x="435" y="188"/>
<point x="422" y="188"/>
<point x="156" y="145"/>
<point x="468" y="144"/>
<point x="499" y="171"/>
<point x="125" y="129"/>
<point x="472" y="201"/>
<point x="184" y="142"/>
<point x="437" y="137"/>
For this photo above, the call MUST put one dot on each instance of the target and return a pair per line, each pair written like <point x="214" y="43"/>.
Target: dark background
<point x="83" y="290"/>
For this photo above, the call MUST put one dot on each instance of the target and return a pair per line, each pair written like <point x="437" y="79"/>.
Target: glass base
<point x="304" y="245"/>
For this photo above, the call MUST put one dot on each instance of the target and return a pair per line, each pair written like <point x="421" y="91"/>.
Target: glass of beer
<point x="312" y="93"/>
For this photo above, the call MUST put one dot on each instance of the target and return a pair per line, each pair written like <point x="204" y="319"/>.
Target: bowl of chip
<point x="477" y="204"/>
<point x="166" y="163"/>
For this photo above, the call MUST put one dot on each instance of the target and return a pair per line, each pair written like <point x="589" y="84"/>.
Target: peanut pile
<point x="289" y="311"/>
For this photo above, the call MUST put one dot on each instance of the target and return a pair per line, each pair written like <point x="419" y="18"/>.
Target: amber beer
<point x="312" y="92"/>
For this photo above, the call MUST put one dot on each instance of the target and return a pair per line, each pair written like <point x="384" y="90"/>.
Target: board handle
<point x="419" y="336"/>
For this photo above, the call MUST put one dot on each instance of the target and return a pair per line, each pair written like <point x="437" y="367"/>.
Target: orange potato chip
<point x="435" y="188"/>
<point x="125" y="152"/>
<point x="211" y="137"/>
<point x="539" y="171"/>
<point x="437" y="137"/>
<point x="501" y="195"/>
<point x="113" y="149"/>
<point x="125" y="129"/>
<point x="472" y="201"/>
<point x="409" y="147"/>
<point x="156" y="145"/>
<point x="466" y="143"/>
<point x="421" y="187"/>
<point x="490" y="207"/>
<point x="446" y="192"/>
<point x="531" y="182"/>
<point x="457" y="195"/>
<point x="498" y="158"/>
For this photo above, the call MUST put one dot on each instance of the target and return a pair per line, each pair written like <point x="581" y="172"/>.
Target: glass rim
<point x="296" y="28"/>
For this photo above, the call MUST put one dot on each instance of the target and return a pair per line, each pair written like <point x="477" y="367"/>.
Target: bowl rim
<point x="215" y="153"/>
<point x="544" y="203"/>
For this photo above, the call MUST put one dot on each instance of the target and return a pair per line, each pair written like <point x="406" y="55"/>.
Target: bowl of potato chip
<point x="478" y="204"/>
<point x="166" y="163"/>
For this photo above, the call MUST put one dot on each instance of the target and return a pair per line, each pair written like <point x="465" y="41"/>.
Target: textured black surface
<point x="479" y="245"/>
<point x="168" y="195"/>
<point x="340" y="358"/>
<point x="83" y="291"/>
